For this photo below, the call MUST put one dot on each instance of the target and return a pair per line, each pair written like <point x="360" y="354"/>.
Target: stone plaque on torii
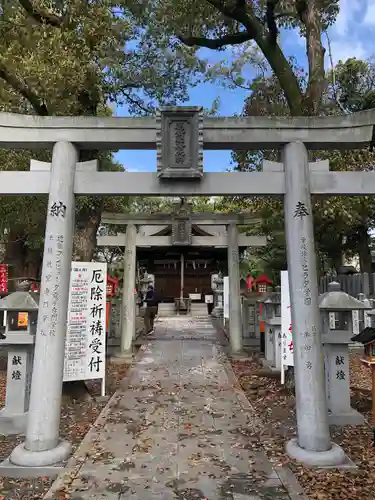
<point x="179" y="142"/>
<point x="181" y="225"/>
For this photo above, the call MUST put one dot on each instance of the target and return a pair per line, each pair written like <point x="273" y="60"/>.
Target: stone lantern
<point x="336" y="309"/>
<point x="218" y="290"/>
<point x="18" y="334"/>
<point x="272" y="329"/>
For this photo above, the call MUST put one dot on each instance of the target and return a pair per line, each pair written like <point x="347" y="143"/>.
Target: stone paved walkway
<point x="176" y="431"/>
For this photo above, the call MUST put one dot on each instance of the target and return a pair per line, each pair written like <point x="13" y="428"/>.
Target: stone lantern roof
<point x="336" y="300"/>
<point x="20" y="301"/>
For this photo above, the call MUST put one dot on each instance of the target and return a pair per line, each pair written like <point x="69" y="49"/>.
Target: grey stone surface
<point x="311" y="404"/>
<point x="7" y="469"/>
<point x="20" y="301"/>
<point x="162" y="219"/>
<point x="128" y="298"/>
<point x="196" y="241"/>
<point x="42" y="434"/>
<point x="176" y="431"/>
<point x="13" y="416"/>
<point x="212" y="184"/>
<point x="336" y="358"/>
<point x="179" y="145"/>
<point x="22" y="456"/>
<point x="336" y="132"/>
<point x="335" y="456"/>
<point x="235" y="320"/>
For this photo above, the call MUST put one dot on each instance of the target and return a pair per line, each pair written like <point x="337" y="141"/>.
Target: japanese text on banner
<point x="85" y="342"/>
<point x="286" y="323"/>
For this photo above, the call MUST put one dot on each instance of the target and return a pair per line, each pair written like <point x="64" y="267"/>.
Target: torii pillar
<point x="128" y="298"/>
<point x="313" y="445"/>
<point x="235" y="319"/>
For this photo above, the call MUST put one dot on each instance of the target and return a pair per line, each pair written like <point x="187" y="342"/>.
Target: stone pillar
<point x="235" y="322"/>
<point x="313" y="445"/>
<point x="128" y="297"/>
<point x="42" y="445"/>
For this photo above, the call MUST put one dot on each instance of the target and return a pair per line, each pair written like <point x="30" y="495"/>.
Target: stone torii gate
<point x="181" y="235"/>
<point x="179" y="136"/>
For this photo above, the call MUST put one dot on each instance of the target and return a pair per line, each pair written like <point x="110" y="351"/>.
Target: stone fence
<point x="352" y="284"/>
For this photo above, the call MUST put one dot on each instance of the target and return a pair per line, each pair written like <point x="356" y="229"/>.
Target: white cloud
<point x="369" y="18"/>
<point x="133" y="169"/>
<point x="343" y="49"/>
<point x="349" y="35"/>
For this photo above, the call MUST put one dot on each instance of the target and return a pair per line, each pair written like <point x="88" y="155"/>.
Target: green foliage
<point x="340" y="222"/>
<point x="73" y="59"/>
<point x="254" y="26"/>
<point x="352" y="84"/>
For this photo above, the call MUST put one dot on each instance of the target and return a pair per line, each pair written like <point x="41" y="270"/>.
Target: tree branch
<point x="42" y="16"/>
<point x="136" y="102"/>
<point x="243" y="14"/>
<point x="216" y="43"/>
<point x="36" y="102"/>
<point x="271" y="20"/>
<point x="240" y="14"/>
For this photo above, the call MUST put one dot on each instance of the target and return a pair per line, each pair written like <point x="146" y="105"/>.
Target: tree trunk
<point x="309" y="15"/>
<point x="24" y="262"/>
<point x="365" y="258"/>
<point x="85" y="238"/>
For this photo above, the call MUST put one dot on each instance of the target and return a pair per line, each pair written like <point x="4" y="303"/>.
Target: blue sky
<point x="351" y="36"/>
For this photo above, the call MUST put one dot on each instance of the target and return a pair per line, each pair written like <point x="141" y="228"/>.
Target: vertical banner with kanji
<point x="3" y="278"/>
<point x="287" y="356"/>
<point x="85" y="338"/>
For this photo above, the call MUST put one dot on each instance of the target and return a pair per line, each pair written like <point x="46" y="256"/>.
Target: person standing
<point x="151" y="310"/>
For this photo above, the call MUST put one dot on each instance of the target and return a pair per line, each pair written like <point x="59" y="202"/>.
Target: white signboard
<point x="195" y="296"/>
<point x="209" y="299"/>
<point x="287" y="357"/>
<point x="86" y="328"/>
<point x="367" y="319"/>
<point x="226" y="297"/>
<point x="355" y="319"/>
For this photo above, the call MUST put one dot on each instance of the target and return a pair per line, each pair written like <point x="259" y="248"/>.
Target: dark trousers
<point x="149" y="318"/>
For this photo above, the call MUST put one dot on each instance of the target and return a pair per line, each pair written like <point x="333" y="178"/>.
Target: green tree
<point x="74" y="58"/>
<point x="341" y="224"/>
<point x="256" y="25"/>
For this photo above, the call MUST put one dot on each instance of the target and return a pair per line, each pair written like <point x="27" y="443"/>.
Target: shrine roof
<point x="365" y="336"/>
<point x="262" y="278"/>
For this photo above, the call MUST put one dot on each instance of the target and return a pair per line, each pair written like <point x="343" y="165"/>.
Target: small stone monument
<point x="115" y="322"/>
<point x="337" y="319"/>
<point x="20" y="321"/>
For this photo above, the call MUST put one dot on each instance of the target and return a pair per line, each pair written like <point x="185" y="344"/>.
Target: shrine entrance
<point x="177" y="253"/>
<point x="179" y="136"/>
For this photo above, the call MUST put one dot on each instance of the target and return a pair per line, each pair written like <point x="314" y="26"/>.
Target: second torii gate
<point x="181" y="236"/>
